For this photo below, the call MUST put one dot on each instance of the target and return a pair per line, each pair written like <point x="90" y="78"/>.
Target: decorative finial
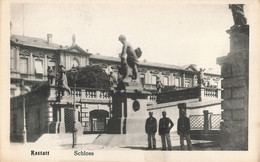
<point x="73" y="39"/>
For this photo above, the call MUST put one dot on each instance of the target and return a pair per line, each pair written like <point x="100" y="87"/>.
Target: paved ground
<point x="85" y="142"/>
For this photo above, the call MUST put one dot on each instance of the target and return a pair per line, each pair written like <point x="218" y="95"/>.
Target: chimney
<point x="49" y="38"/>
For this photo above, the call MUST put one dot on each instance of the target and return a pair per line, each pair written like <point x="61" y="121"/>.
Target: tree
<point x="89" y="77"/>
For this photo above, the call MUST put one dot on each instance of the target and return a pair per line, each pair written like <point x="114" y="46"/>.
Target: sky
<point x="170" y="33"/>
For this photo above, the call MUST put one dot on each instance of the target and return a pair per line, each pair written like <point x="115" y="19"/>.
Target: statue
<point x="238" y="14"/>
<point x="201" y="77"/>
<point x="112" y="81"/>
<point x="73" y="39"/>
<point x="159" y="85"/>
<point x="62" y="81"/>
<point x="129" y="58"/>
<point x="51" y="75"/>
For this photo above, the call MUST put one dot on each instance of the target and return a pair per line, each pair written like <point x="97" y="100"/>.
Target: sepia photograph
<point x="130" y="81"/>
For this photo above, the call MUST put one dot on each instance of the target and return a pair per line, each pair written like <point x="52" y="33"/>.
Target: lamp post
<point x="23" y="91"/>
<point x="74" y="131"/>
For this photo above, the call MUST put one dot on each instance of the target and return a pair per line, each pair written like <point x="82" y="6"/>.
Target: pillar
<point x="234" y="71"/>
<point x="62" y="120"/>
<point x="183" y="80"/>
<point x="50" y="117"/>
<point x="206" y="120"/>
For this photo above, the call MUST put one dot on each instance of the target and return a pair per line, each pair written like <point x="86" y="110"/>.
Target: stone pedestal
<point x="127" y="124"/>
<point x="234" y="71"/>
<point x="129" y="112"/>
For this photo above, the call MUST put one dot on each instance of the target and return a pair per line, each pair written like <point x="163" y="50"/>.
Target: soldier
<point x="183" y="130"/>
<point x="164" y="131"/>
<point x="151" y="129"/>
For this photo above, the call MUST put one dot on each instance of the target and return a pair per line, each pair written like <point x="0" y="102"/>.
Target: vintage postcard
<point x="129" y="80"/>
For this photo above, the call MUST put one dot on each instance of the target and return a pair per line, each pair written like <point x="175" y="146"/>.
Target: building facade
<point x="31" y="57"/>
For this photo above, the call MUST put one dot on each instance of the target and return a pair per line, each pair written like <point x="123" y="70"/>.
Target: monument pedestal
<point x="129" y="114"/>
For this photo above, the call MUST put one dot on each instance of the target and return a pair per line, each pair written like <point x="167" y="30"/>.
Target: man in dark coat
<point x="183" y="129"/>
<point x="151" y="129"/>
<point x="165" y="125"/>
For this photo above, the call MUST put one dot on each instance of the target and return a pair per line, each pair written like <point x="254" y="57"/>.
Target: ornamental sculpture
<point x="238" y="14"/>
<point x="63" y="82"/>
<point x="129" y="60"/>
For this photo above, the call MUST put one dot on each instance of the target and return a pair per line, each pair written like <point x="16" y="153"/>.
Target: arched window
<point x="75" y="63"/>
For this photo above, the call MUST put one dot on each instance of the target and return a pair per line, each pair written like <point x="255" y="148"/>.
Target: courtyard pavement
<point x="84" y="142"/>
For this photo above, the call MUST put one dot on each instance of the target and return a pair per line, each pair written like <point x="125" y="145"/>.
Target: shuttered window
<point x="24" y="65"/>
<point x="38" y="66"/>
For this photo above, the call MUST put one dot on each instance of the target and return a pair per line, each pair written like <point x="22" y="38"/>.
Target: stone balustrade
<point x="189" y="93"/>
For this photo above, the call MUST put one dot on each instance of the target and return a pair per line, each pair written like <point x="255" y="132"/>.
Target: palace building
<point x="29" y="60"/>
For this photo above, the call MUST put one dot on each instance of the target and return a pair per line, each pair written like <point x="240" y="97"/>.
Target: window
<point x="75" y="63"/>
<point x="142" y="77"/>
<point x="12" y="59"/>
<point x="153" y="79"/>
<point x="38" y="66"/>
<point x="24" y="65"/>
<point x="166" y="80"/>
<point x="177" y="82"/>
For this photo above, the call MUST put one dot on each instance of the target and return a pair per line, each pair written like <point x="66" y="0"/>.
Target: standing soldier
<point x="151" y="129"/>
<point x="164" y="131"/>
<point x="183" y="129"/>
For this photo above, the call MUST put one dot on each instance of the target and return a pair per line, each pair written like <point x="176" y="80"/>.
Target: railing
<point x="189" y="93"/>
<point x="215" y="120"/>
<point x="198" y="122"/>
<point x="149" y="86"/>
<point x="152" y="97"/>
<point x="210" y="92"/>
<point x="164" y="97"/>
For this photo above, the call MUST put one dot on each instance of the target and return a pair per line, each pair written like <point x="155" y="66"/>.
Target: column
<point x="194" y="80"/>
<point x="17" y="60"/>
<point x="45" y="65"/>
<point x="57" y="122"/>
<point x="50" y="117"/>
<point x="30" y="65"/>
<point x="62" y="120"/>
<point x="183" y="80"/>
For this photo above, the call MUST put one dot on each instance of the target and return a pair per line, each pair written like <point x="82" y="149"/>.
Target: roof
<point x="34" y="42"/>
<point x="41" y="43"/>
<point x="150" y="64"/>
